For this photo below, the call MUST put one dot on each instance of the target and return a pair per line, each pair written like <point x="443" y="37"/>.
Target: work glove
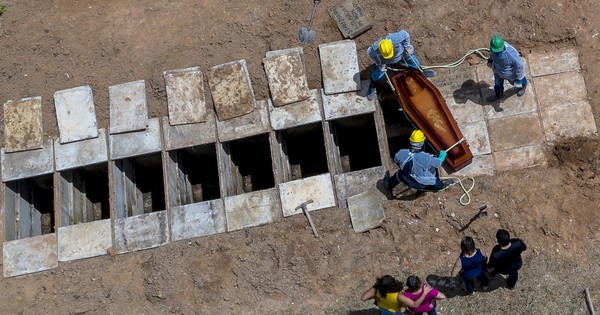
<point x="442" y="156"/>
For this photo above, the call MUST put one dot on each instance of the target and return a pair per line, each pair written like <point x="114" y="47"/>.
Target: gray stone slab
<point x="515" y="131"/>
<point x="185" y="96"/>
<point x="477" y="137"/>
<point x="141" y="231"/>
<point x="339" y="66"/>
<point x="366" y="210"/>
<point x="568" y="121"/>
<point x="510" y="105"/>
<point x="457" y="82"/>
<point x="297" y="114"/>
<point x="23" y="124"/>
<point x="136" y="143"/>
<point x="480" y="165"/>
<point x="565" y="88"/>
<point x="353" y="183"/>
<point x="84" y="240"/>
<point x="554" y="62"/>
<point x="231" y="90"/>
<point x="252" y="209"/>
<point x="75" y="114"/>
<point x="254" y="123"/>
<point x="347" y="104"/>
<point x="351" y="19"/>
<point x="188" y="135"/>
<point x="18" y="165"/>
<point x="467" y="112"/>
<point x="519" y="158"/>
<point x="197" y="219"/>
<point x="81" y="153"/>
<point x="318" y="188"/>
<point x="281" y="52"/>
<point x="128" y="109"/>
<point x="286" y="75"/>
<point x="29" y="255"/>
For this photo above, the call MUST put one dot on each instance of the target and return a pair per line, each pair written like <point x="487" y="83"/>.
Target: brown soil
<point x="280" y="268"/>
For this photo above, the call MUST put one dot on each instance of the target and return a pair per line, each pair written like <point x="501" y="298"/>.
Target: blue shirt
<point x="424" y="165"/>
<point x="472" y="266"/>
<point x="508" y="64"/>
<point x="400" y="40"/>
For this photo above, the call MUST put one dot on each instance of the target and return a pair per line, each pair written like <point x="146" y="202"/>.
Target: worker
<point x="393" y="49"/>
<point x="418" y="169"/>
<point x="507" y="65"/>
<point x="389" y="298"/>
<point x="506" y="257"/>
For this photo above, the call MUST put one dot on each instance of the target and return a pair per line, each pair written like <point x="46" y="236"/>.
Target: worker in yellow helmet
<point x="394" y="49"/>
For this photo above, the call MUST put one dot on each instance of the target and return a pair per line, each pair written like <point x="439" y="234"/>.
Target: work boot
<point x="521" y="91"/>
<point x="495" y="97"/>
<point x="371" y="93"/>
<point x="429" y="73"/>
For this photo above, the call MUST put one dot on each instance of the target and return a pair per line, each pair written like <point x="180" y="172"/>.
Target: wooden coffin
<point x="426" y="108"/>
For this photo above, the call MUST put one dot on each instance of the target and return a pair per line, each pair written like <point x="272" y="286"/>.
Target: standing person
<point x="387" y="293"/>
<point x="506" y="257"/>
<point x="507" y="65"/>
<point x="470" y="264"/>
<point x="395" y="48"/>
<point x="418" y="169"/>
<point x="416" y="290"/>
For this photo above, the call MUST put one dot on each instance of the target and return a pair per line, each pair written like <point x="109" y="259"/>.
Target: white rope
<point x="462" y="186"/>
<point x="478" y="51"/>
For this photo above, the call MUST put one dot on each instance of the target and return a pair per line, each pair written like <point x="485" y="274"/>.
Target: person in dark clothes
<point x="506" y="257"/>
<point x="470" y="264"/>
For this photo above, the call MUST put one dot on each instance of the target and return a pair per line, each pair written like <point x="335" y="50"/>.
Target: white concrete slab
<point x="254" y="123"/>
<point x="141" y="231"/>
<point x="128" y="109"/>
<point x="477" y="137"/>
<point x="252" y="209"/>
<point x="468" y="111"/>
<point x="75" y="114"/>
<point x="339" y="66"/>
<point x="515" y="131"/>
<point x="136" y="143"/>
<point x="553" y="62"/>
<point x="353" y="183"/>
<point x="511" y="104"/>
<point x="366" y="210"/>
<point x="188" y="135"/>
<point x="565" y="88"/>
<point x="286" y="76"/>
<point x="29" y="255"/>
<point x="185" y="96"/>
<point x="81" y="153"/>
<point x="347" y="104"/>
<point x="84" y="240"/>
<point x="568" y="121"/>
<point x="480" y="165"/>
<point x="198" y="219"/>
<point x="25" y="164"/>
<point x="318" y="188"/>
<point x="456" y="83"/>
<point x="519" y="158"/>
<point x="297" y="114"/>
<point x="23" y="124"/>
<point x="231" y="90"/>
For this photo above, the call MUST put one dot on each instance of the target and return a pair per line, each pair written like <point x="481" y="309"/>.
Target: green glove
<point x="442" y="156"/>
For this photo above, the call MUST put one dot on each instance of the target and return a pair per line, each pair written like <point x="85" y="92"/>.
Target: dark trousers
<point x="470" y="283"/>
<point x="411" y="182"/>
<point x="512" y="275"/>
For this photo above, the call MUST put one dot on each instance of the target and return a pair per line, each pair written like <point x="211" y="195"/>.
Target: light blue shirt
<point x="401" y="42"/>
<point x="424" y="165"/>
<point x="508" y="65"/>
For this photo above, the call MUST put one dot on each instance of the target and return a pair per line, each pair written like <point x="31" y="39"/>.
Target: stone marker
<point x="366" y="211"/>
<point x="128" y="110"/>
<point x="185" y="96"/>
<point x="318" y="188"/>
<point x="23" y="124"/>
<point x="252" y="209"/>
<point x="287" y="76"/>
<point x="75" y="114"/>
<point x="231" y="90"/>
<point x="339" y="65"/>
<point x="350" y="18"/>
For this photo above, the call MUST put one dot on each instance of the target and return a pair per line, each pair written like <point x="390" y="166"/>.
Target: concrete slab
<point x="23" y="124"/>
<point x="231" y="89"/>
<point x="350" y="18"/>
<point x="565" y="88"/>
<point x="481" y="165"/>
<point x="297" y="114"/>
<point x="318" y="188"/>
<point x="519" y="158"/>
<point x="136" y="143"/>
<point x="185" y="96"/>
<point x="252" y="209"/>
<point x="511" y="104"/>
<point x="554" y="62"/>
<point x="339" y="66"/>
<point x="197" y="219"/>
<point x="467" y="112"/>
<point x="75" y="114"/>
<point x="457" y="82"/>
<point x="477" y="137"/>
<point x="141" y="232"/>
<point x="84" y="240"/>
<point x="188" y="135"/>
<point x="515" y="131"/>
<point x="30" y="255"/>
<point x="347" y="104"/>
<point x="568" y="121"/>
<point x="18" y="165"/>
<point x="81" y="153"/>
<point x="366" y="210"/>
<point x="354" y="183"/>
<point x="286" y="75"/>
<point x="128" y="110"/>
<point x="254" y="123"/>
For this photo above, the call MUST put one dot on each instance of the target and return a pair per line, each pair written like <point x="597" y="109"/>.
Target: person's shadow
<point x="454" y="286"/>
<point x="371" y="311"/>
<point x="481" y="93"/>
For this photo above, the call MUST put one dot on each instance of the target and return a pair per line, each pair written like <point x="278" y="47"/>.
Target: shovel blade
<point x="306" y="36"/>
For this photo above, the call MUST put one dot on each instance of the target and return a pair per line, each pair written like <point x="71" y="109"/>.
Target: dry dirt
<point x="50" y="45"/>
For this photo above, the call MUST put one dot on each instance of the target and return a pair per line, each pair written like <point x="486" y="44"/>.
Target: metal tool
<point x="306" y="35"/>
<point x="303" y="206"/>
<point x="479" y="214"/>
<point x="457" y="143"/>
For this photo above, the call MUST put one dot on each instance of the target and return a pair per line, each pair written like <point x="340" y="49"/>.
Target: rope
<point x="464" y="189"/>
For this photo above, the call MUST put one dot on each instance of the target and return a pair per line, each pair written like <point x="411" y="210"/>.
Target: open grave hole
<point x="303" y="151"/>
<point x="247" y="165"/>
<point x="139" y="186"/>
<point x="193" y="175"/>
<point x="356" y="140"/>
<point x="29" y="207"/>
<point x="84" y="195"/>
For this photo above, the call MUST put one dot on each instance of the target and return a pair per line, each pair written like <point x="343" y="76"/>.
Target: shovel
<point x="306" y="35"/>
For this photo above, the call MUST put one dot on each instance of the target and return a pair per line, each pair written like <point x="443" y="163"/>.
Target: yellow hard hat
<point x="417" y="136"/>
<point x="386" y="48"/>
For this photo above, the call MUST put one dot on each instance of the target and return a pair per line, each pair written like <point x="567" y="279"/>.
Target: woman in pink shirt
<point x="416" y="288"/>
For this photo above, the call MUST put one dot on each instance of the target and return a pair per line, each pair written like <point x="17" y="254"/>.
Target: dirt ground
<point x="50" y="45"/>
